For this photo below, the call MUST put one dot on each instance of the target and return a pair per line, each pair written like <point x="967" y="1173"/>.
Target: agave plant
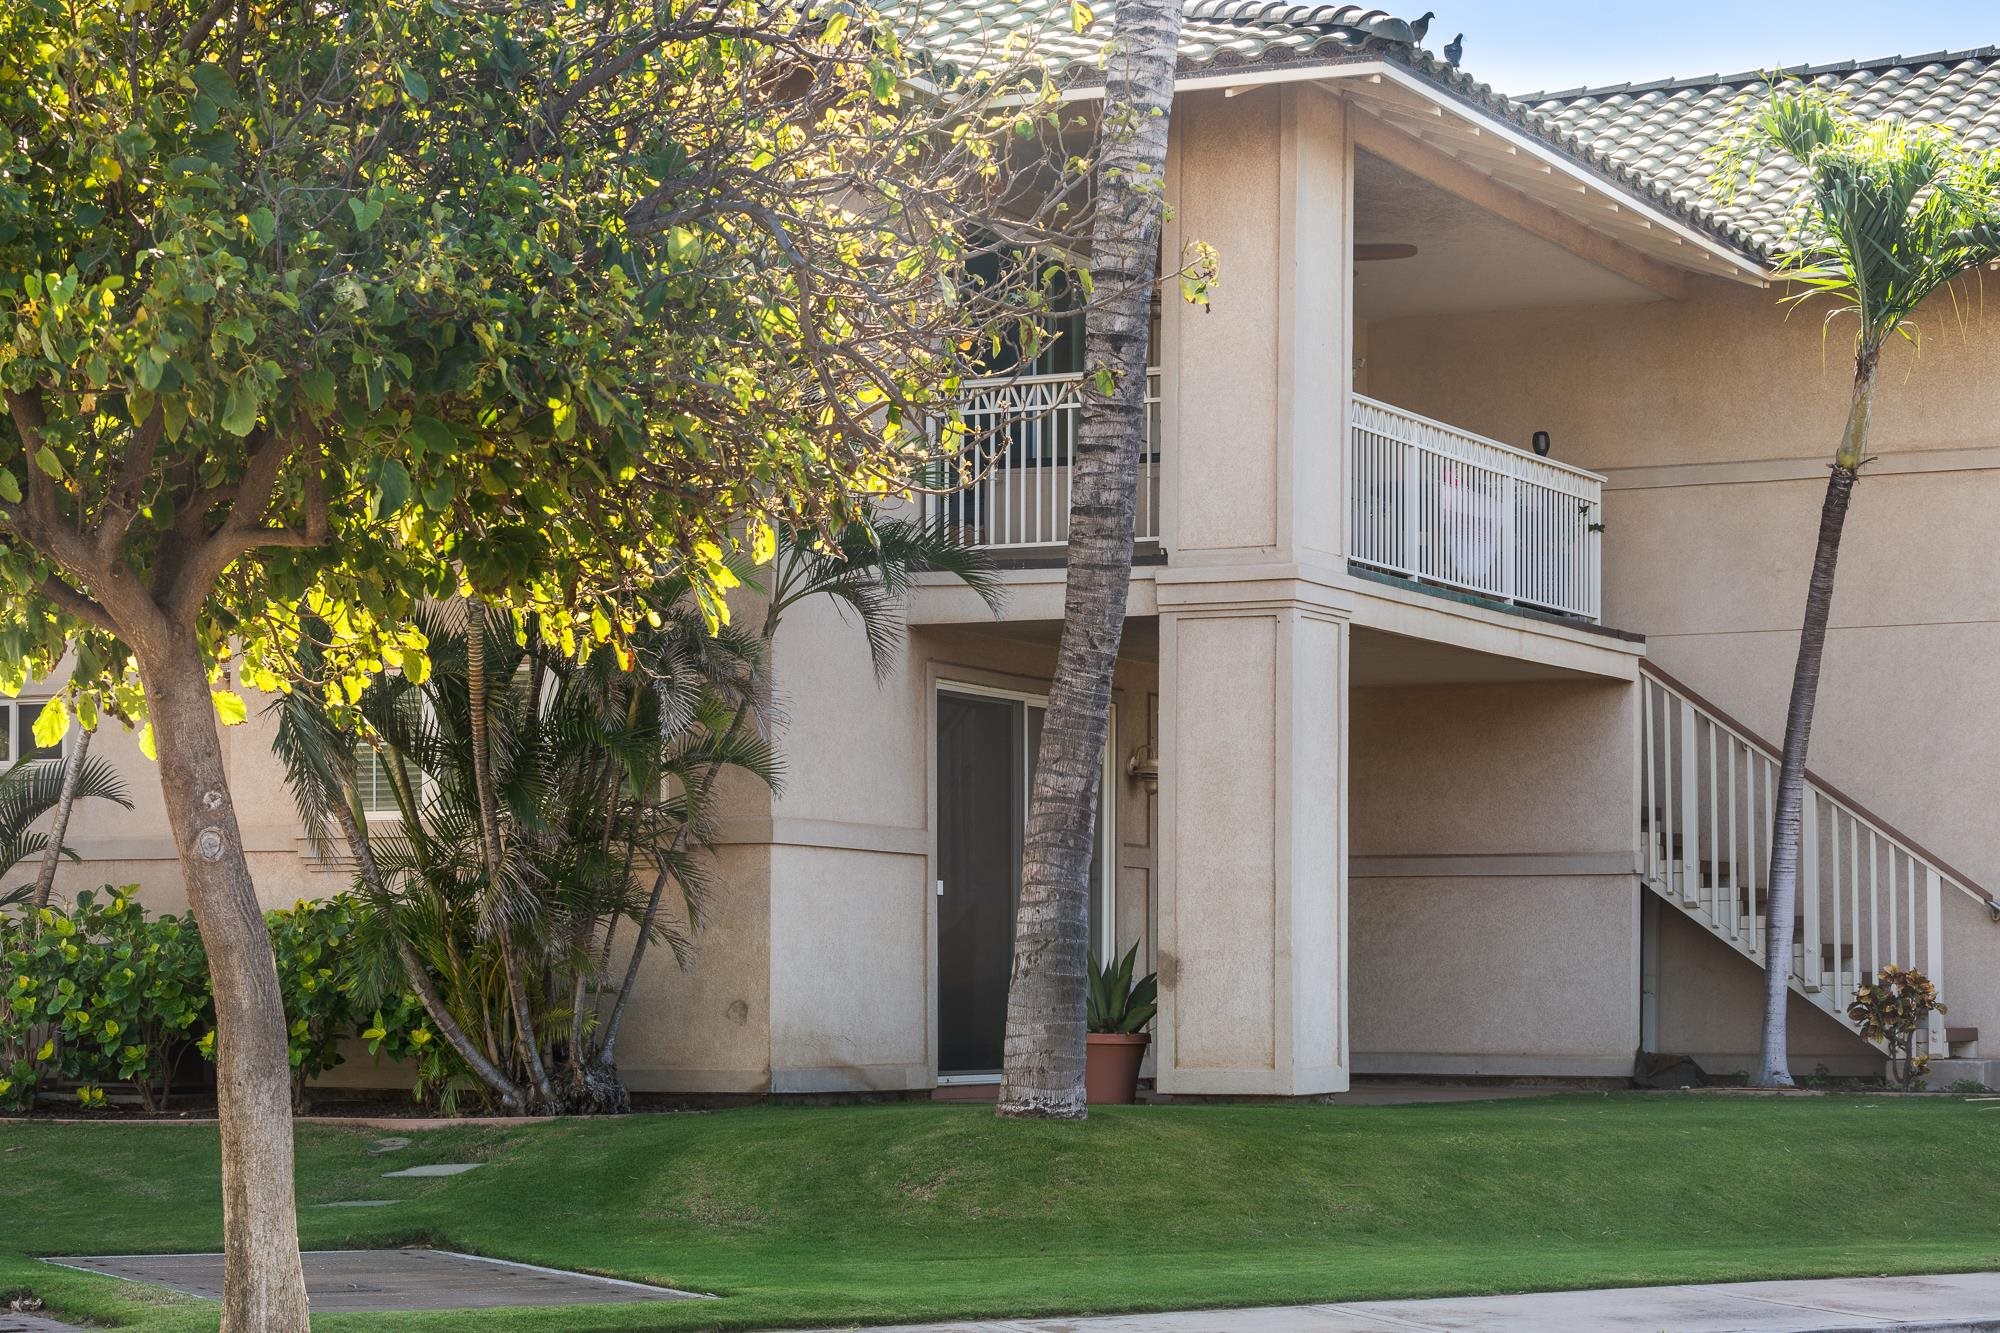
<point x="547" y="802"/>
<point x="1115" y="1002"/>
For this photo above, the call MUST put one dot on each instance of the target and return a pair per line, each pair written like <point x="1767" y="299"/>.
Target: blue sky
<point x="1528" y="45"/>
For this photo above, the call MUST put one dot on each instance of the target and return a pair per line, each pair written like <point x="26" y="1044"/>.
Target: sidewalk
<point x="1935" y="1304"/>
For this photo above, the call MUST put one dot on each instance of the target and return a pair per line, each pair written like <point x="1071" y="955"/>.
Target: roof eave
<point x="1735" y="262"/>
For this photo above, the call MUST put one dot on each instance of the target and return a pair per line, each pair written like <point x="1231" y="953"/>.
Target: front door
<point x="985" y="753"/>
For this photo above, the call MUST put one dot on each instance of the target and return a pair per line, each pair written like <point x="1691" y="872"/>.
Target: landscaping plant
<point x="1893" y="1009"/>
<point x="506" y="887"/>
<point x="1117" y="1003"/>
<point x="1887" y="214"/>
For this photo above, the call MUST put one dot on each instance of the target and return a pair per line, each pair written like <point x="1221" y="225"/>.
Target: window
<point x="371" y="779"/>
<point x="17" y="732"/>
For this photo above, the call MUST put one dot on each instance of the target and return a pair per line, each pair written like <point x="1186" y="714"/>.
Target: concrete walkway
<point x="1935" y="1304"/>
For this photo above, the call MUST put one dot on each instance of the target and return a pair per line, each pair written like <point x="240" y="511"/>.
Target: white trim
<point x="967" y="1080"/>
<point x="9" y="709"/>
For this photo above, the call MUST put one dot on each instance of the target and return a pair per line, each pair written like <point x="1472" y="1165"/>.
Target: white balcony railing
<point x="1027" y="427"/>
<point x="1436" y="503"/>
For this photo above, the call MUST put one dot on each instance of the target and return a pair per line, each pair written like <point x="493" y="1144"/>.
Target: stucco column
<point x="1253" y="614"/>
<point x="1253" y="856"/>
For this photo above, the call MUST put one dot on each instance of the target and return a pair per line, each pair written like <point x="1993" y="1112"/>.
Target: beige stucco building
<point x="1431" y="755"/>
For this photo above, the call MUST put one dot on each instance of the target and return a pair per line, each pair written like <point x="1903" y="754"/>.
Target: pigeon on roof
<point x="1454" y="50"/>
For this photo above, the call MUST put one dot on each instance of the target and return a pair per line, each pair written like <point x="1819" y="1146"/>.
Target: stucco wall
<point x="1713" y="419"/>
<point x="1493" y="910"/>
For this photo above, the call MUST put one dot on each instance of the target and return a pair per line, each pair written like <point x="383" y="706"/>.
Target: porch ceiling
<point x="1468" y="259"/>
<point x="1457" y="135"/>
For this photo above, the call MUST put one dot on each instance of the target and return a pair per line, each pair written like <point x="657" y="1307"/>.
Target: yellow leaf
<point x="146" y="744"/>
<point x="229" y="707"/>
<point x="52" y="723"/>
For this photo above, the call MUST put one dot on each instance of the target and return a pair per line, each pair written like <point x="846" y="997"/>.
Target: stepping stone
<point x="353" y="1203"/>
<point x="380" y="1146"/>
<point x="433" y="1169"/>
<point x="379" y="1281"/>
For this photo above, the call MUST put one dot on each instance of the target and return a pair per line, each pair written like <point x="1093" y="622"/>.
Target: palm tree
<point x="537" y="794"/>
<point x="1045" y="1002"/>
<point x="30" y="789"/>
<point x="1887" y="214"/>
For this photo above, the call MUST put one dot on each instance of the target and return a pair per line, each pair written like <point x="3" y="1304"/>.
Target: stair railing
<point x="1868" y="896"/>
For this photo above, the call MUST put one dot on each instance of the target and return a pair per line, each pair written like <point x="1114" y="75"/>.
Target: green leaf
<point x="318" y="385"/>
<point x="365" y="212"/>
<point x="391" y="489"/>
<point x="239" y="415"/>
<point x="263" y="226"/>
<point x="414" y="85"/>
<point x="10" y="489"/>
<point x="46" y="460"/>
<point x="214" y="84"/>
<point x="432" y="436"/>
<point x="52" y="723"/>
<point x="229" y="707"/>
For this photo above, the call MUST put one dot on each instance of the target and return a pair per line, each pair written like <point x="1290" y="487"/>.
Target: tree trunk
<point x="45" y="882"/>
<point x="1045" y="1002"/>
<point x="1789" y="804"/>
<point x="264" y="1288"/>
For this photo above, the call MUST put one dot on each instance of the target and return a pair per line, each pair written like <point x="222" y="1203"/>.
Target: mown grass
<point x="801" y="1216"/>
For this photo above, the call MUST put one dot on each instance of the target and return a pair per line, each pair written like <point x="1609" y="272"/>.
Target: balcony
<point x="1028" y="426"/>
<point x="1444" y="506"/>
<point x="1431" y="503"/>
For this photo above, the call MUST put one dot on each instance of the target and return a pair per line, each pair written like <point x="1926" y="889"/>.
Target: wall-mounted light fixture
<point x="1144" y="766"/>
<point x="1542" y="443"/>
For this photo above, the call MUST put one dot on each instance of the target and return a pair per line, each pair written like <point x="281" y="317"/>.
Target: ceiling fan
<point x="1367" y="250"/>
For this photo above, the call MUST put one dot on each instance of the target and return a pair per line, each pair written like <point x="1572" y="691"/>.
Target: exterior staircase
<point x="1868" y="896"/>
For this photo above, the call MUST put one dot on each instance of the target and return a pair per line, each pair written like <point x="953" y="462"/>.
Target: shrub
<point x="1892" y="1009"/>
<point x="97" y="993"/>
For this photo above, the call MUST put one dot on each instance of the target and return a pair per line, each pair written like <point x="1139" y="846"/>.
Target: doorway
<point x="986" y="745"/>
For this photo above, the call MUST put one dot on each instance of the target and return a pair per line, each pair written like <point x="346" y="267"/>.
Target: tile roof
<point x="1213" y="32"/>
<point x="1662" y="131"/>
<point x="1649" y="139"/>
<point x="1217" y="35"/>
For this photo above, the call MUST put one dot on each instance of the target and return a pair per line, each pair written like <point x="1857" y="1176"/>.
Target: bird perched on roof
<point x="1454" y="49"/>
<point x="1421" y="25"/>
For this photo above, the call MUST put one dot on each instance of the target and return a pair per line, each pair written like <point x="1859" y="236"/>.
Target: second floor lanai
<point x="1352" y="184"/>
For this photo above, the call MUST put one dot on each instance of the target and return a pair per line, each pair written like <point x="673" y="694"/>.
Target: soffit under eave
<point x="1537" y="173"/>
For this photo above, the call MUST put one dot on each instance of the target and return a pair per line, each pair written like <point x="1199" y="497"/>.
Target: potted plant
<point x="1118" y="1008"/>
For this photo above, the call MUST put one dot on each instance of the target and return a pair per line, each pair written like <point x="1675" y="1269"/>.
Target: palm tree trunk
<point x="1045" y="1002"/>
<point x="525" y="1045"/>
<point x="45" y="882"/>
<point x="1789" y="804"/>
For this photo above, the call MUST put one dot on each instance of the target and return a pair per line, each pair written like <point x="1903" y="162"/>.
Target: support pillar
<point x="1253" y="861"/>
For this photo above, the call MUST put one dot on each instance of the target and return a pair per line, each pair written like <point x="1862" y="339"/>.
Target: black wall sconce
<point x="1541" y="443"/>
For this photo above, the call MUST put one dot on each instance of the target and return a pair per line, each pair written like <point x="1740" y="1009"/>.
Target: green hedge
<point x="97" y="993"/>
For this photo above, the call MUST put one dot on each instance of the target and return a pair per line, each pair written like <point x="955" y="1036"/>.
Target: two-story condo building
<point x="1474" y="535"/>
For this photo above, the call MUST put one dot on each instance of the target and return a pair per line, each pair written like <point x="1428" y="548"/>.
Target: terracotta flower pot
<point x="1111" y="1067"/>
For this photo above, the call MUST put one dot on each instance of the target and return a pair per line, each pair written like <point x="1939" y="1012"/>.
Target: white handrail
<point x="1446" y="506"/>
<point x="1867" y="896"/>
<point x="1023" y="430"/>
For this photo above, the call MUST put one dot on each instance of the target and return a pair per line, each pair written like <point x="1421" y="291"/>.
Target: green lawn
<point x="853" y="1214"/>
